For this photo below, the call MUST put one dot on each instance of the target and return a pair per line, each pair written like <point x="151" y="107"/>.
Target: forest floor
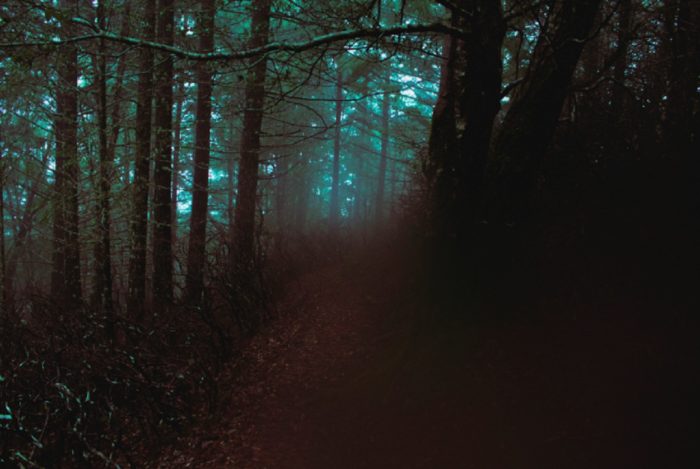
<point x="350" y="375"/>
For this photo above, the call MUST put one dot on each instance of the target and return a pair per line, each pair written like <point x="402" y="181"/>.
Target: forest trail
<point x="350" y="377"/>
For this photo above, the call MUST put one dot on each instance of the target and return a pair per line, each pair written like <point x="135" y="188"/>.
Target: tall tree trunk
<point x="360" y="179"/>
<point x="394" y="174"/>
<point x="463" y="118"/>
<point x="103" y="274"/>
<point x="480" y="101"/>
<point x="115" y="125"/>
<point x="282" y="196"/>
<point x="301" y="191"/>
<point x="231" y="177"/>
<point x="530" y="123"/>
<point x="140" y="191"/>
<point x="244" y="223"/>
<point x="383" y="159"/>
<point x="440" y="171"/>
<point x="468" y="102"/>
<point x="200" y="195"/>
<point x="162" y="173"/>
<point x="66" y="282"/>
<point x="177" y="145"/>
<point x="334" y="208"/>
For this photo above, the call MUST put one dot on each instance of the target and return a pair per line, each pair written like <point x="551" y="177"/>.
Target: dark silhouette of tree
<point x="244" y="222"/>
<point x="200" y="193"/>
<point x="468" y="101"/>
<point x="162" y="170"/>
<point x="531" y="120"/>
<point x="177" y="149"/>
<point x="66" y="282"/>
<point x="383" y="158"/>
<point x="103" y="252"/>
<point x="140" y="186"/>
<point x="334" y="206"/>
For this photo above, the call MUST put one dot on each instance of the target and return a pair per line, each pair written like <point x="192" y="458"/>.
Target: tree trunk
<point x="360" y="179"/>
<point x="117" y="99"/>
<point x="334" y="209"/>
<point x="383" y="160"/>
<point x="469" y="99"/>
<point x="65" y="281"/>
<point x="282" y="196"/>
<point x="479" y="103"/>
<point x="198" y="222"/>
<point x="394" y="174"/>
<point x="140" y="190"/>
<point x="115" y="125"/>
<point x="231" y="178"/>
<point x="301" y="191"/>
<point x="103" y="259"/>
<point x="244" y="223"/>
<point x="530" y="123"/>
<point x="162" y="173"/>
<point x="177" y="145"/>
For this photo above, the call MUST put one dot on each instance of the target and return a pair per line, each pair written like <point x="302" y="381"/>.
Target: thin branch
<point x="283" y="46"/>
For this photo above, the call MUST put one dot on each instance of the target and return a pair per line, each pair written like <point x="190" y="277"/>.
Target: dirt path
<point x="347" y="379"/>
<point x="332" y="324"/>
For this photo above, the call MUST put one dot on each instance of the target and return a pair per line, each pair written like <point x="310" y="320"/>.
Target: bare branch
<point x="283" y="46"/>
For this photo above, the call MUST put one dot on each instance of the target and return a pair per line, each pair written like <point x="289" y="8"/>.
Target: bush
<point x="72" y="396"/>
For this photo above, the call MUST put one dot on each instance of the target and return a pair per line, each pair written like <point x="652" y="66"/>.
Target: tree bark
<point x="66" y="282"/>
<point x="468" y="101"/>
<point x="301" y="190"/>
<point x="282" y="196"/>
<point x="244" y="223"/>
<point x="383" y="159"/>
<point x="115" y="125"/>
<point x="231" y="177"/>
<point x="177" y="146"/>
<point x="360" y="181"/>
<point x="200" y="195"/>
<point x="162" y="173"/>
<point x="140" y="190"/>
<point x="334" y="208"/>
<point x="530" y="123"/>
<point x="103" y="275"/>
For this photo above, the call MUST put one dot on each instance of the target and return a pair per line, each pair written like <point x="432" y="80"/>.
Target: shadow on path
<point x="355" y="376"/>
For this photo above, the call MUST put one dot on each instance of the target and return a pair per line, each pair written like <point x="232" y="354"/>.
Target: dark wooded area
<point x="362" y="233"/>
